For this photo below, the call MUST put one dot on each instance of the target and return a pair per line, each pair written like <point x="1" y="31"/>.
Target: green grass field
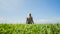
<point x="29" y="28"/>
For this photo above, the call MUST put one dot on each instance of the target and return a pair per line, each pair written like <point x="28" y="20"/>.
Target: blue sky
<point x="43" y="11"/>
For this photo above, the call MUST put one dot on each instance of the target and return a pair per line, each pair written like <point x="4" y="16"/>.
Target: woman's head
<point x="29" y="14"/>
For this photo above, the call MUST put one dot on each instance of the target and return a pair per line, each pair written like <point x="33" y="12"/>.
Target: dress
<point x="29" y="20"/>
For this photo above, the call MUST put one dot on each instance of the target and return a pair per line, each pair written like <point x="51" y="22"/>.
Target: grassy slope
<point x="29" y="28"/>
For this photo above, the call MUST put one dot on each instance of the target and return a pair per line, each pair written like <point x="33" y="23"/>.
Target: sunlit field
<point x="29" y="28"/>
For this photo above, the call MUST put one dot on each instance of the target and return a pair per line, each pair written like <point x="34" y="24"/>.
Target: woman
<point x="29" y="19"/>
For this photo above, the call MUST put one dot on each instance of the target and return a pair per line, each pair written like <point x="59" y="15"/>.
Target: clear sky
<point x="43" y="11"/>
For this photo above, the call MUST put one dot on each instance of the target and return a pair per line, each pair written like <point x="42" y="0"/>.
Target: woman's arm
<point x="32" y="20"/>
<point x="26" y="20"/>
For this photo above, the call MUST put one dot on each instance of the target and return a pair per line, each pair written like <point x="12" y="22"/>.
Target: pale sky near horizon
<point x="43" y="11"/>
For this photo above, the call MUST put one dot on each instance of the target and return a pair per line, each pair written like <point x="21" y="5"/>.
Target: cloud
<point x="2" y="19"/>
<point x="52" y="20"/>
<point x="9" y="20"/>
<point x="18" y="21"/>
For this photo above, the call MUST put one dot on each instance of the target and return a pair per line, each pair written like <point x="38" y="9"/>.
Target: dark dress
<point x="29" y="20"/>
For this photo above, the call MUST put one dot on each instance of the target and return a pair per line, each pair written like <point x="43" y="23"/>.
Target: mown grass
<point x="29" y="28"/>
